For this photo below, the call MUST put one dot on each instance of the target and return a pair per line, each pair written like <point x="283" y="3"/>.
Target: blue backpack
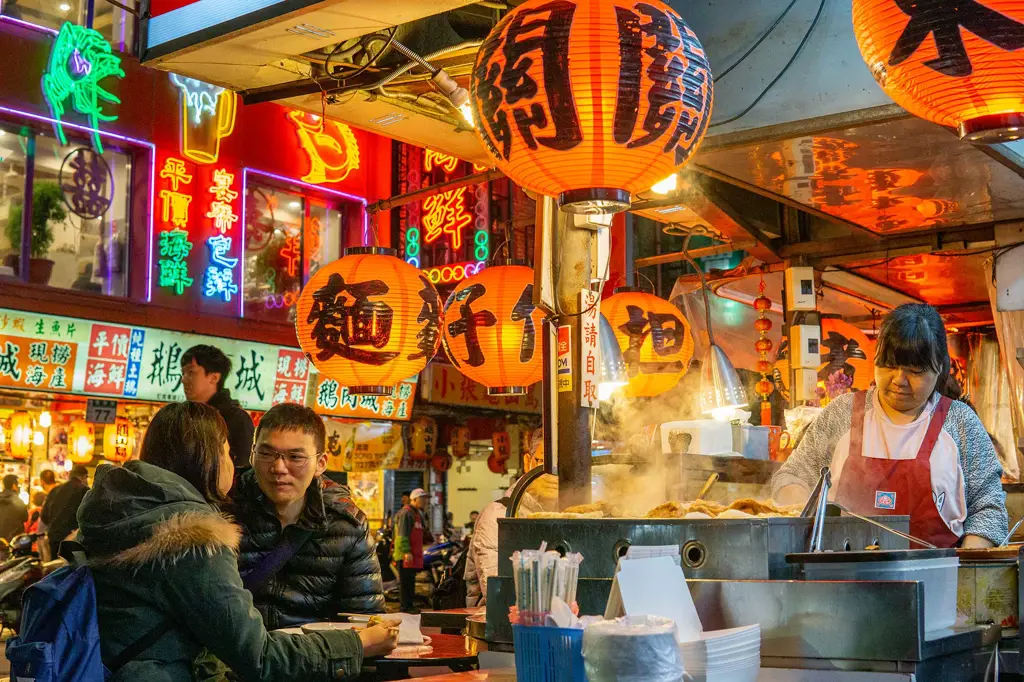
<point x="59" y="638"/>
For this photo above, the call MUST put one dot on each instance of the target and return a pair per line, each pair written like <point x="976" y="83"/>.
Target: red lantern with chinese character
<point x="497" y="466"/>
<point x="422" y="438"/>
<point x="441" y="462"/>
<point x="501" y="442"/>
<point x="20" y="432"/>
<point x="460" y="442"/>
<point x="369" y="320"/>
<point x="654" y="338"/>
<point x="119" y="440"/>
<point x="958" y="64"/>
<point x="81" y="441"/>
<point x="846" y="348"/>
<point x="492" y="330"/>
<point x="591" y="100"/>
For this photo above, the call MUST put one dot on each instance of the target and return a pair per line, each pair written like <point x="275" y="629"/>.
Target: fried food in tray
<point x="598" y="514"/>
<point x="702" y="509"/>
<point x="606" y="508"/>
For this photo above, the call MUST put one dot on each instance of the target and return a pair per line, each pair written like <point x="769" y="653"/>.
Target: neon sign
<point x="207" y="116"/>
<point x="412" y="246"/>
<point x="445" y="274"/>
<point x="79" y="60"/>
<point x="330" y="145"/>
<point x="445" y="212"/>
<point x="175" y="245"/>
<point x="220" y="274"/>
<point x="219" y="279"/>
<point x="432" y="160"/>
<point x="291" y="253"/>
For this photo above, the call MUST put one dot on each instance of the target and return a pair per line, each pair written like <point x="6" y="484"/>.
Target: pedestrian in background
<point x="204" y="369"/>
<point x="410" y="535"/>
<point x="13" y="512"/>
<point x="60" y="512"/>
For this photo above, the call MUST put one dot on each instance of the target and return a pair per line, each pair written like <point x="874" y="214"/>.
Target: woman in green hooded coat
<point x="161" y="553"/>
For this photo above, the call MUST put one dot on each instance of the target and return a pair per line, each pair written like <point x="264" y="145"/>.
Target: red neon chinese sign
<point x="443" y="213"/>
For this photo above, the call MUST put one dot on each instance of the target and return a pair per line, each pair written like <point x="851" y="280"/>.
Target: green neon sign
<point x="79" y="60"/>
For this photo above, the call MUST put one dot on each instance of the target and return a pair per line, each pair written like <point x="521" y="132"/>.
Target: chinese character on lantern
<point x="346" y="321"/>
<point x="445" y="212"/>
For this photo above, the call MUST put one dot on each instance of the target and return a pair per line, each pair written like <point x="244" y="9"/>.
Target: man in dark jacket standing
<point x="306" y="552"/>
<point x="204" y="369"/>
<point x="13" y="512"/>
<point x="60" y="511"/>
<point x="410" y="536"/>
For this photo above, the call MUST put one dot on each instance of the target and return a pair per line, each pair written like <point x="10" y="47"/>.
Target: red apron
<point x="872" y="487"/>
<point x="415" y="539"/>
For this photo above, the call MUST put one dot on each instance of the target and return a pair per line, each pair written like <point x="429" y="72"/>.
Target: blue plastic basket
<point x="548" y="654"/>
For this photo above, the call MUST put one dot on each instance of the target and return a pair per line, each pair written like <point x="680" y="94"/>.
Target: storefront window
<point x="80" y="203"/>
<point x="115" y="23"/>
<point x="288" y="237"/>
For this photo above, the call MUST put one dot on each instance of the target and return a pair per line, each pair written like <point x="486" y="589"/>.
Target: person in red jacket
<point x="410" y="536"/>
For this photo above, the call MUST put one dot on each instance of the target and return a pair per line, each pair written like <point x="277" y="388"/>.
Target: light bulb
<point x="606" y="389"/>
<point x="667" y="185"/>
<point x="45" y="419"/>
<point x="64" y="7"/>
<point x="37" y="438"/>
<point x="467" y="113"/>
<point x="68" y="465"/>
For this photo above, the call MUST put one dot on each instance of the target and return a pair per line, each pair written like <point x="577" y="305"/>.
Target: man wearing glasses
<point x="306" y="553"/>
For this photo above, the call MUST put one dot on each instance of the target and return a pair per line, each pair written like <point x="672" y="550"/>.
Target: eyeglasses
<point x="292" y="461"/>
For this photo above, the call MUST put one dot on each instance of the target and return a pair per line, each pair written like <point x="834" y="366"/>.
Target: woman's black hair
<point x="913" y="335"/>
<point x="188" y="439"/>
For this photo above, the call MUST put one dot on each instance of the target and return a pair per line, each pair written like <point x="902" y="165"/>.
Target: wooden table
<point x="445" y="651"/>
<point x="502" y="675"/>
<point x="451" y="621"/>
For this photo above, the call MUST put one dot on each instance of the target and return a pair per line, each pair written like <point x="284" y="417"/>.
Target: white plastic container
<point x="937" y="569"/>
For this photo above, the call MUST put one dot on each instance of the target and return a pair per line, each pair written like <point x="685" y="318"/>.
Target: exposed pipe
<point x="417" y="195"/>
<point x="405" y="68"/>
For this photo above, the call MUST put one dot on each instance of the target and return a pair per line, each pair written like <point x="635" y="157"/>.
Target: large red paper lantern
<point x="369" y="320"/>
<point x="591" y="100"/>
<point x="654" y="337"/>
<point x="81" y="441"/>
<point x="20" y="434"/>
<point x="460" y="442"/>
<point x="492" y="330"/>
<point x="119" y="440"/>
<point x="496" y="465"/>
<point x="422" y="438"/>
<point x="441" y="462"/>
<point x="958" y="64"/>
<point x="501" y="445"/>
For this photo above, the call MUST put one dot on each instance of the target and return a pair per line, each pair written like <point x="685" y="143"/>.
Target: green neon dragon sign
<point x="79" y="60"/>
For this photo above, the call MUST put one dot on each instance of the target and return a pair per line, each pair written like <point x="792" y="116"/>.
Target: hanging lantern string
<point x="763" y="345"/>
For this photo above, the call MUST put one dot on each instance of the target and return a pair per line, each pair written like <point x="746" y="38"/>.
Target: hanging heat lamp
<point x="492" y="330"/>
<point x="119" y="440"/>
<point x="654" y="338"/>
<point x="459" y="442"/>
<point x="956" y="64"/>
<point x="591" y="101"/>
<point x="422" y="438"/>
<point x="81" y="441"/>
<point x="369" y="320"/>
<point x="20" y="431"/>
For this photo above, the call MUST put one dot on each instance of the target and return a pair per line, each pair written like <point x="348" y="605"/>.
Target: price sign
<point x="564" y="374"/>
<point x="100" y="411"/>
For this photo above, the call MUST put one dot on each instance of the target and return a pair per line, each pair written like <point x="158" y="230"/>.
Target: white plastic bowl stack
<point x="723" y="655"/>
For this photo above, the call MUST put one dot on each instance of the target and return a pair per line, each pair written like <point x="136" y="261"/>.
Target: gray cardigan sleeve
<point x="816" y="447"/>
<point x="986" y="501"/>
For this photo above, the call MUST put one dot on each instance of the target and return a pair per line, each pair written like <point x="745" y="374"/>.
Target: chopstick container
<point x="545" y="654"/>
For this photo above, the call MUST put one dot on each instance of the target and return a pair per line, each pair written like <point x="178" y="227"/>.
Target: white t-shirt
<point x="904" y="441"/>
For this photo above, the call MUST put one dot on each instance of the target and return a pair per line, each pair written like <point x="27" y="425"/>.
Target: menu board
<point x="72" y="355"/>
<point x="363" y="445"/>
<point x="445" y="385"/>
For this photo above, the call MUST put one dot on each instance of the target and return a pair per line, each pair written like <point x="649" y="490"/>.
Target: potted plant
<point x="47" y="205"/>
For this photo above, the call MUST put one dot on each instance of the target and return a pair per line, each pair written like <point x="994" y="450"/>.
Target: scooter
<point x="22" y="568"/>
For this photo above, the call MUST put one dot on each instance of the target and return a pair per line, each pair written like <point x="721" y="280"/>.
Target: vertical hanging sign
<point x="174" y="198"/>
<point x="564" y="359"/>
<point x="590" y="352"/>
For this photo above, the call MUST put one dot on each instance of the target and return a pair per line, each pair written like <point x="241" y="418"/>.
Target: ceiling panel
<point x="939" y="280"/>
<point x="888" y="177"/>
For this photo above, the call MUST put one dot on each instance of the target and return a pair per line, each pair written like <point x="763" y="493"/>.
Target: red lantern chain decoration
<point x="763" y="345"/>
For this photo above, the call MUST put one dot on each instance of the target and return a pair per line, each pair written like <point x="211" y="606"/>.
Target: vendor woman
<point x="902" y="447"/>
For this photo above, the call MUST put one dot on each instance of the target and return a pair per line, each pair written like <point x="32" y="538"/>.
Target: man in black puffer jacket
<point x="306" y="552"/>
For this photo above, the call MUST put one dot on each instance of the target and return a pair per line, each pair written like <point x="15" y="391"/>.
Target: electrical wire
<point x="370" y="62"/>
<point x="799" y="49"/>
<point x="756" y="44"/>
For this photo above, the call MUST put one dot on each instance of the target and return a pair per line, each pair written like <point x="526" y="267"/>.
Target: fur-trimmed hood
<point x="140" y="514"/>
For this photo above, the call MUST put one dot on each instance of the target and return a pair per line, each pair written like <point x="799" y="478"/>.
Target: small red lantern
<point x="654" y="338"/>
<point x="956" y="64"/>
<point x="441" y="462"/>
<point x="497" y="466"/>
<point x="460" y="441"/>
<point x="492" y="330"/>
<point x="763" y="345"/>
<point x="422" y="438"/>
<point x="591" y="100"/>
<point x="119" y="440"/>
<point x="20" y="431"/>
<point x="81" y="441"/>
<point x="369" y="320"/>
<point x="501" y="442"/>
